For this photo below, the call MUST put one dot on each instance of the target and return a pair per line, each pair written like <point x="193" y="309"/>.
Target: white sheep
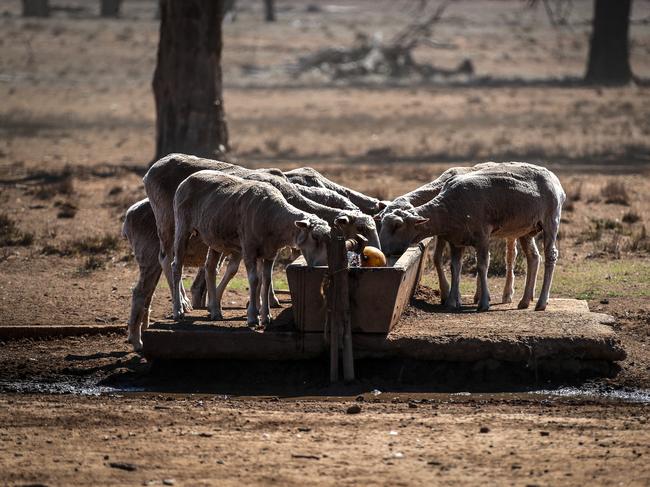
<point x="164" y="177"/>
<point x="307" y="176"/>
<point x="426" y="193"/>
<point x="507" y="200"/>
<point x="139" y="228"/>
<point x="251" y="218"/>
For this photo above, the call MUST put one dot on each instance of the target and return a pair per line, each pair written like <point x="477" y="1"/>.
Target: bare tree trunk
<point x="187" y="82"/>
<point x="269" y="10"/>
<point x="110" y="8"/>
<point x="36" y="8"/>
<point x="609" y="55"/>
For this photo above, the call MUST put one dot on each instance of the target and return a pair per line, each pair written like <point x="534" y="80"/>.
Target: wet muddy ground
<point x="86" y="410"/>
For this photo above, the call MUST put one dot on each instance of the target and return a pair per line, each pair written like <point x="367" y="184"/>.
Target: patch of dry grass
<point x="631" y="216"/>
<point x="85" y="246"/>
<point x="615" y="192"/>
<point x="11" y="235"/>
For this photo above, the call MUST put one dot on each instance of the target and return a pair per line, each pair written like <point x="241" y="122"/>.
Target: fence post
<point x="338" y="308"/>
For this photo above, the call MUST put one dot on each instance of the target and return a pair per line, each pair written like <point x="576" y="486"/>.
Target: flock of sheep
<point x="200" y="211"/>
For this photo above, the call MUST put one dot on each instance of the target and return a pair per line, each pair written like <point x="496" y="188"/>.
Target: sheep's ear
<point x="382" y="204"/>
<point x="342" y="220"/>
<point x="302" y="224"/>
<point x="377" y="217"/>
<point x="420" y="221"/>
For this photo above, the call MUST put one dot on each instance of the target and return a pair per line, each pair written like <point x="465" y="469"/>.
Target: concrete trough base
<point x="566" y="339"/>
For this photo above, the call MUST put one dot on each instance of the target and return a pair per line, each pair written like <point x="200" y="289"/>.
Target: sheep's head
<point x="390" y="207"/>
<point x="313" y="238"/>
<point x="398" y="230"/>
<point x="353" y="223"/>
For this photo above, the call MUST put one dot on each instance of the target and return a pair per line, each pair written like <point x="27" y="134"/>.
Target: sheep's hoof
<point x="506" y="299"/>
<point x="137" y="347"/>
<point x="275" y="303"/>
<point x="453" y="306"/>
<point x="523" y="304"/>
<point x="179" y="315"/>
<point x="216" y="316"/>
<point x="444" y="295"/>
<point x="475" y="299"/>
<point x="483" y="307"/>
<point x="540" y="307"/>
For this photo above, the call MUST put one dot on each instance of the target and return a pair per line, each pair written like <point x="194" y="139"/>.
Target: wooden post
<point x="338" y="307"/>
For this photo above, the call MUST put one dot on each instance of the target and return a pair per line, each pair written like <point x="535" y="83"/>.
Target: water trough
<point x="390" y="321"/>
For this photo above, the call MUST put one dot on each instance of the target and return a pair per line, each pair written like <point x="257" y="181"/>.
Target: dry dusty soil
<point x="77" y="133"/>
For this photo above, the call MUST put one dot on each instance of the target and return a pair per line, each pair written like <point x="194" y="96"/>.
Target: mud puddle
<point x="587" y="392"/>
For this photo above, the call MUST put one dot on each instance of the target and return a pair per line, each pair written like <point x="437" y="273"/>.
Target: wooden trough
<point x="378" y="295"/>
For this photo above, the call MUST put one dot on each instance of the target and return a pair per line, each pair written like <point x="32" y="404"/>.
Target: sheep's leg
<point x="511" y="256"/>
<point x="147" y="303"/>
<point x="453" y="301"/>
<point x="529" y="248"/>
<point x="265" y="290"/>
<point x="152" y="281"/>
<point x="550" y="258"/>
<point x="212" y="264"/>
<point x="199" y="289"/>
<point x="231" y="269"/>
<point x="166" y="264"/>
<point x="141" y="301"/>
<point x="482" y="264"/>
<point x="181" y="238"/>
<point x="253" y="293"/>
<point x="438" y="252"/>
<point x="275" y="302"/>
<point x="477" y="292"/>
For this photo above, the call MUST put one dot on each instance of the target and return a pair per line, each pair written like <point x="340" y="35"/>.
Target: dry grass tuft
<point x="11" y="235"/>
<point x="67" y="209"/>
<point x="616" y="193"/>
<point x="631" y="217"/>
<point x="92" y="263"/>
<point x="55" y="185"/>
<point x="85" y="246"/>
<point x="640" y="241"/>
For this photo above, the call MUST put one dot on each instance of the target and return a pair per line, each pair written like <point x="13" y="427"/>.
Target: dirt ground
<point x="77" y="133"/>
<point x="197" y="440"/>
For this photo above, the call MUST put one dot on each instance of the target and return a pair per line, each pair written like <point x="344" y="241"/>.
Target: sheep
<point x="319" y="195"/>
<point x="307" y="176"/>
<point x="247" y="217"/>
<point x="326" y="197"/>
<point x="508" y="200"/>
<point x="139" y="228"/>
<point x="426" y="193"/>
<point x="164" y="176"/>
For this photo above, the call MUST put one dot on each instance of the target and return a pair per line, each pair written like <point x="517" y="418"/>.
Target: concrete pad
<point x="567" y="330"/>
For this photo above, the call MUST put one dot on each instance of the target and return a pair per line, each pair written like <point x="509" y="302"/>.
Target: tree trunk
<point x="269" y="10"/>
<point x="609" y="59"/>
<point x="36" y="8"/>
<point x="187" y="84"/>
<point x="110" y="8"/>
